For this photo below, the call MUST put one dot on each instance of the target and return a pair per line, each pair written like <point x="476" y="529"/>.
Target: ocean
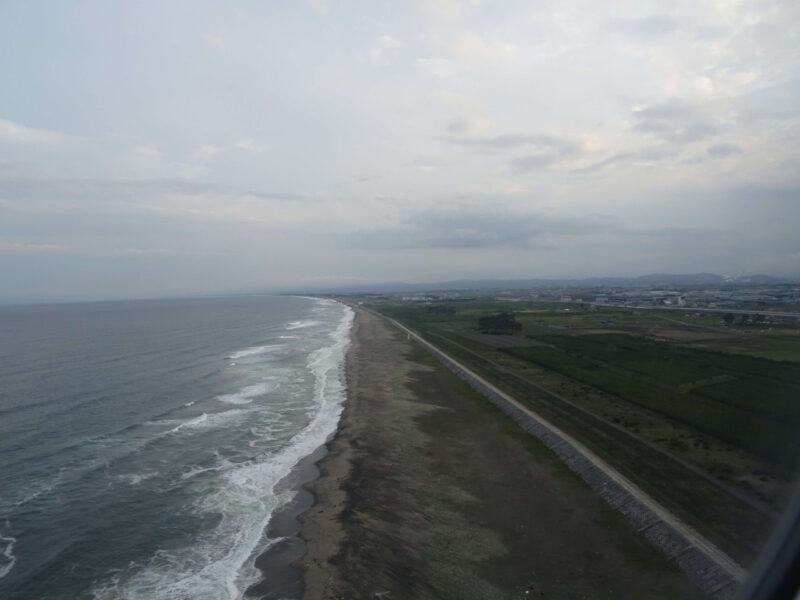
<point x="146" y="445"/>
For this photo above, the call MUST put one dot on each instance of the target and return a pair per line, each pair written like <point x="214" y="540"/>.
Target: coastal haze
<point x="195" y="147"/>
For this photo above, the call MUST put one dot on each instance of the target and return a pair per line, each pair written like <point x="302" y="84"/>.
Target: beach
<point x="429" y="491"/>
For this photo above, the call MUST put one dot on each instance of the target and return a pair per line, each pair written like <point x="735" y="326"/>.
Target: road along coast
<point x="430" y="491"/>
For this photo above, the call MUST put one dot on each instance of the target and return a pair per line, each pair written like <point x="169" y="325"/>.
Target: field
<point x="702" y="415"/>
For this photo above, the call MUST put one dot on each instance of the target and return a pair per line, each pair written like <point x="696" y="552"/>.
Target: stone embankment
<point x="707" y="566"/>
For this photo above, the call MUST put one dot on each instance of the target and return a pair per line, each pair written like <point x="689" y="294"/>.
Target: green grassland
<point x="702" y="415"/>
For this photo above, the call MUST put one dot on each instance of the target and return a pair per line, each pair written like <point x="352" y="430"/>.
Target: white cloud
<point x="15" y="133"/>
<point x="217" y="41"/>
<point x="646" y="26"/>
<point x="450" y="9"/>
<point x="248" y="146"/>
<point x="346" y="121"/>
<point x="321" y="7"/>
<point x="149" y="152"/>
<point x="382" y="47"/>
<point x="472" y="49"/>
<point x="438" y="67"/>
<point x="206" y="152"/>
<point x="14" y="247"/>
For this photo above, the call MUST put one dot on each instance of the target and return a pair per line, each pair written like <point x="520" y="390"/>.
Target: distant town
<point x="780" y="299"/>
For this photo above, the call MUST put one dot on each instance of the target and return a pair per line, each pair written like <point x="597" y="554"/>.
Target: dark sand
<point x="429" y="491"/>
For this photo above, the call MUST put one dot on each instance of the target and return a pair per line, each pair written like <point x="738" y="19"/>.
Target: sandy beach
<point x="429" y="491"/>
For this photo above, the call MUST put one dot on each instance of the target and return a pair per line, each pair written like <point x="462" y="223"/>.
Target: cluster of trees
<point x="503" y="323"/>
<point x="756" y="319"/>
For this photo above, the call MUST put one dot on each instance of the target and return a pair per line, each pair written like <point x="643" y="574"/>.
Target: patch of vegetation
<point x="502" y="323"/>
<point x="724" y="399"/>
<point x="739" y="411"/>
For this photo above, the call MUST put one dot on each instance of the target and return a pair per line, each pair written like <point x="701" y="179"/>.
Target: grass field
<point x="702" y="415"/>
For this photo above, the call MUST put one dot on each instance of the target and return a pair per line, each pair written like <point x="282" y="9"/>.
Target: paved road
<point x="719" y="557"/>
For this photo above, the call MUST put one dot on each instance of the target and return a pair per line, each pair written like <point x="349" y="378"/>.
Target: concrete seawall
<point x="704" y="564"/>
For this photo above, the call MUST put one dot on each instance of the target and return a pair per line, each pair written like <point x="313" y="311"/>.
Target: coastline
<point x="278" y="577"/>
<point x="428" y="491"/>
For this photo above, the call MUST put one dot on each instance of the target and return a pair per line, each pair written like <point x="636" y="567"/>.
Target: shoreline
<point x="278" y="576"/>
<point x="429" y="491"/>
<point x="319" y="527"/>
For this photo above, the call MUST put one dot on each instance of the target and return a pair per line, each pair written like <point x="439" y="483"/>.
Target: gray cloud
<point x="532" y="162"/>
<point x="674" y="121"/>
<point x="469" y="228"/>
<point x="544" y="142"/>
<point x="650" y="156"/>
<point x="543" y="239"/>
<point x="458" y="126"/>
<point x="723" y="150"/>
<point x="21" y="188"/>
<point x="543" y="150"/>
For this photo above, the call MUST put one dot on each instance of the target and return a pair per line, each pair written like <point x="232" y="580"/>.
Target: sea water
<point x="143" y="444"/>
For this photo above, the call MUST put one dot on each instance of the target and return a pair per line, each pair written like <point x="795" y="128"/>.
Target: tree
<point x="728" y="318"/>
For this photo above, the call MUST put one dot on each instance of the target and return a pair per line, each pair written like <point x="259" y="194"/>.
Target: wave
<point x="207" y="421"/>
<point x="301" y="324"/>
<point x="194" y="470"/>
<point x="7" y="558"/>
<point x="248" y="394"/>
<point x="98" y="452"/>
<point x="252" y="351"/>
<point x="136" y="478"/>
<point x="219" y="564"/>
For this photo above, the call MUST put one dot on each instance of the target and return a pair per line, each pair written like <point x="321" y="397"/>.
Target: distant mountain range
<point x="652" y="280"/>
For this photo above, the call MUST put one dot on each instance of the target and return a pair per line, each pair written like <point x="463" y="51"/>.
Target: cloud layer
<point x="206" y="147"/>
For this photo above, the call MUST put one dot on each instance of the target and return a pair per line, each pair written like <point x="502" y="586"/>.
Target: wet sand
<point x="429" y="491"/>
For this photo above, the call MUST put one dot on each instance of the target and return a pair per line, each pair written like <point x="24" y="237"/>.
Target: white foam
<point x="300" y="324"/>
<point x="190" y="423"/>
<point x="136" y="478"/>
<point x="195" y="470"/>
<point x="7" y="544"/>
<point x="252" y="351"/>
<point x="248" y="394"/>
<point x="219" y="564"/>
<point x="206" y="421"/>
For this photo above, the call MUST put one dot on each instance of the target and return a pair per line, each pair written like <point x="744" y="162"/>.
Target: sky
<point x="158" y="148"/>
